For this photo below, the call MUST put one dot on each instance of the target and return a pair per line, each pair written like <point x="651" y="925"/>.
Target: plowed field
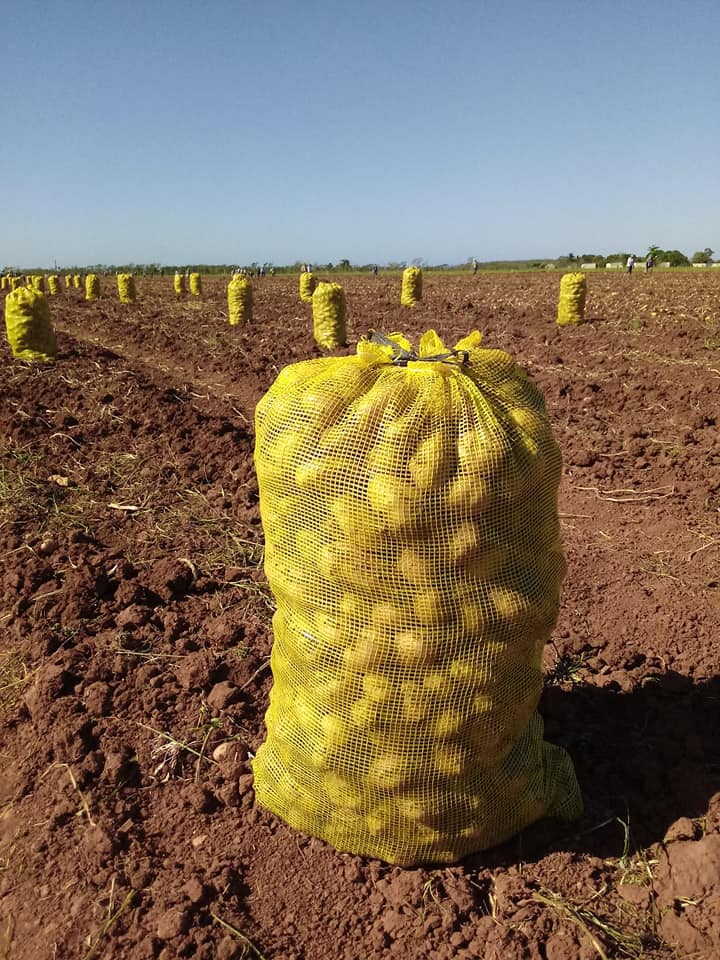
<point x="135" y="632"/>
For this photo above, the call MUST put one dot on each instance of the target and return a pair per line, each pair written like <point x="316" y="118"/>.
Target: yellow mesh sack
<point x="412" y="544"/>
<point x="15" y="283"/>
<point x="53" y="282"/>
<point x="77" y="281"/>
<point x="38" y="283"/>
<point x="68" y="281"/>
<point x="329" y="315"/>
<point x="308" y="282"/>
<point x="195" y="284"/>
<point x="126" y="287"/>
<point x="92" y="286"/>
<point x="179" y="284"/>
<point x="27" y="322"/>
<point x="571" y="303"/>
<point x="3" y="282"/>
<point x="240" y="300"/>
<point x="411" y="290"/>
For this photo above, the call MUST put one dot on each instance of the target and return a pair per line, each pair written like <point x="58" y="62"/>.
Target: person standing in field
<point x="474" y="265"/>
<point x="649" y="263"/>
<point x="630" y="263"/>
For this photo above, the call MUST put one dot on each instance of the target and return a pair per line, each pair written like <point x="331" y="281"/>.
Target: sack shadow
<point x="644" y="759"/>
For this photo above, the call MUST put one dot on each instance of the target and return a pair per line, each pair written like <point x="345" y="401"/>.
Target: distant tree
<point x="703" y="256"/>
<point x="343" y="265"/>
<point x="675" y="258"/>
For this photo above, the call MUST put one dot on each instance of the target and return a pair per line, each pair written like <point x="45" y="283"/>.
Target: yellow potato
<point x="451" y="759"/>
<point x="321" y="474"/>
<point x="417" y="565"/>
<point x="416" y="702"/>
<point x="432" y="607"/>
<point x="358" y="522"/>
<point x="448" y="724"/>
<point x="416" y="648"/>
<point x="434" y="462"/>
<point x="368" y="652"/>
<point x="378" y="688"/>
<point x="389" y="771"/>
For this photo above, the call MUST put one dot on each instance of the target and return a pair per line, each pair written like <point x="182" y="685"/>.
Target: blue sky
<point x="230" y="132"/>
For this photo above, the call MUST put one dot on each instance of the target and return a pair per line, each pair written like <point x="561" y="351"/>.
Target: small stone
<point x="195" y="891"/>
<point x="222" y="695"/>
<point x="132" y="616"/>
<point x="229" y="949"/>
<point x="682" y="829"/>
<point x="171" y="924"/>
<point x="98" y="698"/>
<point x="199" y="840"/>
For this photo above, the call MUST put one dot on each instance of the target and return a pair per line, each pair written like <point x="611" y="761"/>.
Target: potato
<point x="368" y="651"/>
<point x="451" y="759"/>
<point x="448" y="724"/>
<point x="341" y="792"/>
<point x="416" y="702"/>
<point x="394" y="499"/>
<point x="438" y="683"/>
<point x="320" y="474"/>
<point x="416" y="648"/>
<point x="432" y="607"/>
<point x="366" y="715"/>
<point x="434" y="461"/>
<point x="390" y="771"/>
<point x="358" y="522"/>
<point x="417" y="565"/>
<point x="378" y="687"/>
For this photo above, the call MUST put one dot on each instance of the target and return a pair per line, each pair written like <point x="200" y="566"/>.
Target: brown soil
<point x="135" y="634"/>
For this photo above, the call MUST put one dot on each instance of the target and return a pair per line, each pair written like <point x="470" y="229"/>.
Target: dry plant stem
<point x="263" y="666"/>
<point x="627" y="945"/>
<point x="109" y="923"/>
<point x="170" y="739"/>
<point x="83" y="801"/>
<point x="633" y="496"/>
<point x="241" y="936"/>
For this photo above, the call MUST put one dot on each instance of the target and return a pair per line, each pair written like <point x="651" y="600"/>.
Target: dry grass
<point x="14" y="676"/>
<point x="608" y="939"/>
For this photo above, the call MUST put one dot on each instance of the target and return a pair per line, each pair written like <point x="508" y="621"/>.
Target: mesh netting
<point x="195" y="283"/>
<point x="571" y="302"/>
<point x="329" y="315"/>
<point x="53" y="284"/>
<point x="179" y="284"/>
<point x="77" y="281"/>
<point x="411" y="289"/>
<point x="240" y="300"/>
<point x="27" y="322"/>
<point x="412" y="545"/>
